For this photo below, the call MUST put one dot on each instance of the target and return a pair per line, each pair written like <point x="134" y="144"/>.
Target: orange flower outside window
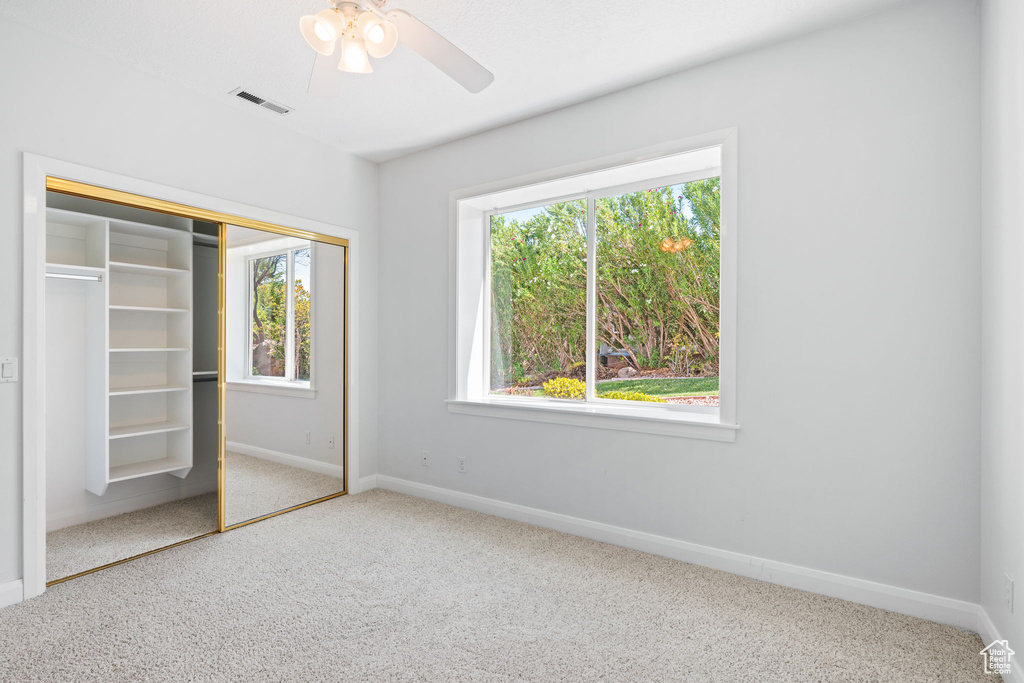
<point x="668" y="244"/>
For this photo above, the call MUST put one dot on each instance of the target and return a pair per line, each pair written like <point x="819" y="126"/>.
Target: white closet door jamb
<point x="33" y="387"/>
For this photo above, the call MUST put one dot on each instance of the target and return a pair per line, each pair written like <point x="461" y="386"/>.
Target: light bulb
<point x="322" y="30"/>
<point x="354" y="59"/>
<point x="375" y="34"/>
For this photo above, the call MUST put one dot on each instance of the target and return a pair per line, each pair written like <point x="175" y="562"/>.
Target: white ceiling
<point x="544" y="55"/>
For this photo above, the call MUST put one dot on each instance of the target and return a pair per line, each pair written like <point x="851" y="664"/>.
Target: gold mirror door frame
<point x="79" y="189"/>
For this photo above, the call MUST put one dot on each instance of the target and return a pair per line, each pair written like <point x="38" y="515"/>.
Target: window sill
<point x="271" y="387"/>
<point x="645" y="420"/>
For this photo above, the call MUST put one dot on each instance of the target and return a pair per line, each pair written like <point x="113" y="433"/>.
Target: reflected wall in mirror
<point x="284" y="420"/>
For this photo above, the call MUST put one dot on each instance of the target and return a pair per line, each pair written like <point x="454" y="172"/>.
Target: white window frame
<point x="289" y="374"/>
<point x="471" y="281"/>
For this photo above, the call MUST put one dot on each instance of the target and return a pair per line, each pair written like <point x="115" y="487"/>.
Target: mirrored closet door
<point x="285" y="372"/>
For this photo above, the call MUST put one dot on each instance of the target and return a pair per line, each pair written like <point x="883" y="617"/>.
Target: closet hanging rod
<point x="70" y="276"/>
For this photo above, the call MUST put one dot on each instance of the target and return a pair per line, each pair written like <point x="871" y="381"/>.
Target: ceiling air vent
<point x="259" y="101"/>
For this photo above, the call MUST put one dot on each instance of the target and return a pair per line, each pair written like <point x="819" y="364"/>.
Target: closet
<point x="121" y="429"/>
<point x="193" y="374"/>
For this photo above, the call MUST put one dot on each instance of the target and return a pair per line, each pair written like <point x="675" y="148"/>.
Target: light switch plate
<point x="8" y="370"/>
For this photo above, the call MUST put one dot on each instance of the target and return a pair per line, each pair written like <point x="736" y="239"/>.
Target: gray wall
<point x="858" y="386"/>
<point x="1002" y="469"/>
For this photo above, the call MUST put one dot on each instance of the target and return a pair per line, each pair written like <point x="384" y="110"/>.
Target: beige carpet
<point x="257" y="487"/>
<point x="385" y="587"/>
<point x="93" y="544"/>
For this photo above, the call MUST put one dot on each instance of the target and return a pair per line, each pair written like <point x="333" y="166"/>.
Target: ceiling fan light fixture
<point x="322" y="30"/>
<point x="354" y="58"/>
<point x="364" y="31"/>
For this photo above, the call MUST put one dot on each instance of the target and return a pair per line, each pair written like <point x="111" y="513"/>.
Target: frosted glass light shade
<point x="354" y="59"/>
<point x="387" y="44"/>
<point x="322" y="30"/>
<point x="380" y="35"/>
<point x="366" y="23"/>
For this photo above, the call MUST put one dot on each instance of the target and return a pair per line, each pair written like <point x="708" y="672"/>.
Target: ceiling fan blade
<point x="430" y="45"/>
<point x="326" y="79"/>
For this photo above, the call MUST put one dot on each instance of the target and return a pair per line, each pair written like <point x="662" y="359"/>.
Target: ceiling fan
<point x="348" y="33"/>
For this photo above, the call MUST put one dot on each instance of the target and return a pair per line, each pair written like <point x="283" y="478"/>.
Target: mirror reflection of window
<point x="268" y="293"/>
<point x="302" y="318"/>
<point x="280" y="296"/>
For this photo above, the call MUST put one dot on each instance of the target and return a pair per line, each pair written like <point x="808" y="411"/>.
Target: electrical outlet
<point x="425" y="458"/>
<point x="1008" y="591"/>
<point x="308" y="436"/>
<point x="462" y="464"/>
<point x="330" y="440"/>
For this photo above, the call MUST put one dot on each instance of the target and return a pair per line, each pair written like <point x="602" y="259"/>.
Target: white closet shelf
<point x="118" y="226"/>
<point x="147" y="428"/>
<point x="148" y="309"/>
<point x="71" y="269"/>
<point x="140" y="269"/>
<point x="145" y="468"/>
<point x="149" y="349"/>
<point x="152" y="389"/>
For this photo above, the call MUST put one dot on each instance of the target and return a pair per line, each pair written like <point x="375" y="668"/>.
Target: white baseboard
<point x="285" y="459"/>
<point x="11" y="592"/>
<point x="60" y="520"/>
<point x="914" y="603"/>
<point x="366" y="483"/>
<point x="989" y="634"/>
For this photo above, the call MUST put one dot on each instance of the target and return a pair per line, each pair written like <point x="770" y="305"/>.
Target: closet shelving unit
<point x="139" y="341"/>
<point x="150" y="340"/>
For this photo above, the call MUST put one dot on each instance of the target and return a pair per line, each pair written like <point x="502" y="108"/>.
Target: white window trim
<point x="280" y="385"/>
<point x="469" y="285"/>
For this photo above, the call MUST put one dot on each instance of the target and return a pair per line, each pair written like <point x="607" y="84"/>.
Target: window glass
<point x="657" y="303"/>
<point x="303" y="310"/>
<point x="268" y="287"/>
<point x="539" y="301"/>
